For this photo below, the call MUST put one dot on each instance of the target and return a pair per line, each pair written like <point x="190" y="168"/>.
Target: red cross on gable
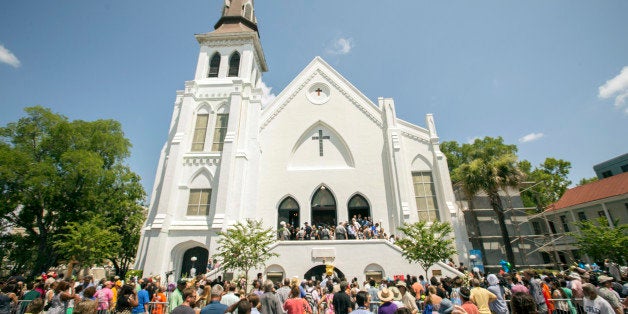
<point x="318" y="91"/>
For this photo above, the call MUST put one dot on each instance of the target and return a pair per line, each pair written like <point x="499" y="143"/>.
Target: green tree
<point x="54" y="171"/>
<point x="426" y="244"/>
<point x="86" y="243"/>
<point x="487" y="165"/>
<point x="245" y="245"/>
<point x="584" y="181"/>
<point x="598" y="240"/>
<point x="549" y="179"/>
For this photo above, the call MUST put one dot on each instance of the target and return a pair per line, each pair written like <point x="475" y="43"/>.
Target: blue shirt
<point x="142" y="298"/>
<point x="214" y="307"/>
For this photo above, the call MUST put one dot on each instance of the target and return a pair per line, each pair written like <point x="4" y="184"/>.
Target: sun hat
<point x="396" y="293"/>
<point x="385" y="295"/>
<point x="401" y="283"/>
<point x="603" y="279"/>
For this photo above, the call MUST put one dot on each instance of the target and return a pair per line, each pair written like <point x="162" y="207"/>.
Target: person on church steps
<point x="341" y="232"/>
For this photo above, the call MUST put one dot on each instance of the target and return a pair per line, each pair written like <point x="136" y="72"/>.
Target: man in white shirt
<point x="593" y="303"/>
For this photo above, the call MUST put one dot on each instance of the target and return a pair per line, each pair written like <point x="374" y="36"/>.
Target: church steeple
<point x="237" y="16"/>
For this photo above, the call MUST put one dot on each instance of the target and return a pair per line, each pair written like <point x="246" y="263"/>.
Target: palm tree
<point x="489" y="165"/>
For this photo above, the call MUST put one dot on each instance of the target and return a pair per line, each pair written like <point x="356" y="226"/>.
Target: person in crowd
<point x="362" y="302"/>
<point x="159" y="298"/>
<point x="214" y="306"/>
<point x="254" y="300"/>
<point x="176" y="297"/>
<point x="373" y="297"/>
<point x="408" y="300"/>
<point x="481" y="297"/>
<point x="230" y="298"/>
<point x="143" y="299"/>
<point x="283" y="293"/>
<point x="270" y="303"/>
<point x="326" y="304"/>
<point x="204" y="297"/>
<point x="559" y="297"/>
<point x="530" y="278"/>
<point x="105" y="297"/>
<point x="127" y="299"/>
<point x="342" y="301"/>
<point x="607" y="293"/>
<point x="59" y="303"/>
<point x="523" y="303"/>
<point x="36" y="306"/>
<point x="467" y="305"/>
<point x="498" y="306"/>
<point x="432" y="300"/>
<point x="593" y="303"/>
<point x="187" y="306"/>
<point x="295" y="304"/>
<point x="386" y="297"/>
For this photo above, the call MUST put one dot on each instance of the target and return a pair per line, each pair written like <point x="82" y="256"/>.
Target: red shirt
<point x="296" y="306"/>
<point x="470" y="307"/>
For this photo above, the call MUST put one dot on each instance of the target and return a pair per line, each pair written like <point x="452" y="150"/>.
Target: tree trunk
<point x="498" y="208"/>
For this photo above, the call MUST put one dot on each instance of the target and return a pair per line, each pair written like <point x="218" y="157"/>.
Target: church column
<point x="226" y="184"/>
<point x="449" y="211"/>
<point x="396" y="165"/>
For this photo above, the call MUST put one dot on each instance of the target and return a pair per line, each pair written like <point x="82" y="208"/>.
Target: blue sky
<point x="545" y="75"/>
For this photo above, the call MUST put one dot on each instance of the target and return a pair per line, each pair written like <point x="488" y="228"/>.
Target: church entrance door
<point x="323" y="208"/>
<point x="317" y="272"/>
<point x="196" y="258"/>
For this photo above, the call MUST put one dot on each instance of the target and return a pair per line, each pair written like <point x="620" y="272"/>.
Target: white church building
<point x="320" y="152"/>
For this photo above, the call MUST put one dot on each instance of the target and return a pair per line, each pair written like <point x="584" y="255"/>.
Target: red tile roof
<point x="605" y="188"/>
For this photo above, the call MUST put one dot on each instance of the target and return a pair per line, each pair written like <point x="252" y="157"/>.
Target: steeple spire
<point x="237" y="16"/>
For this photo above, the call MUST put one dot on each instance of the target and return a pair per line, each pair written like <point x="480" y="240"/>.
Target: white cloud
<point x="470" y="140"/>
<point x="8" y="57"/>
<point x="616" y="87"/>
<point x="531" y="137"/>
<point x="340" y="46"/>
<point x="267" y="96"/>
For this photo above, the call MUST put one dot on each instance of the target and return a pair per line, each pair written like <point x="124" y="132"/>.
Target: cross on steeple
<point x="320" y="139"/>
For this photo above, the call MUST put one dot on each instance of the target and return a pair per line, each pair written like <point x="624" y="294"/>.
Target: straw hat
<point x="385" y="295"/>
<point x="603" y="279"/>
<point x="396" y="293"/>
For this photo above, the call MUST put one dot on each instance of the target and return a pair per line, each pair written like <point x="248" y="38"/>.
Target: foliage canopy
<point x="55" y="172"/>
<point x="426" y="244"/>
<point x="245" y="246"/>
<point x="600" y="241"/>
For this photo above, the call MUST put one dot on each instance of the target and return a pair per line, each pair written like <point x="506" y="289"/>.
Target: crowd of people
<point x="570" y="292"/>
<point x="360" y="228"/>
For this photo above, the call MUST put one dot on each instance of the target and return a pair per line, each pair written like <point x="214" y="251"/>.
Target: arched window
<point x="359" y="207"/>
<point x="323" y="208"/>
<point x="248" y="12"/>
<point x="234" y="64"/>
<point x="425" y="196"/>
<point x="288" y="212"/>
<point x="214" y="64"/>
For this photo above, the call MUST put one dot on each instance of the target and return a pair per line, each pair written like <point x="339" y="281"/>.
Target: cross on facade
<point x="318" y="91"/>
<point x="320" y="139"/>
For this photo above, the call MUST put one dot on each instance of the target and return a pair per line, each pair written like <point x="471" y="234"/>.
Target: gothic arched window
<point x="214" y="65"/>
<point x="234" y="64"/>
